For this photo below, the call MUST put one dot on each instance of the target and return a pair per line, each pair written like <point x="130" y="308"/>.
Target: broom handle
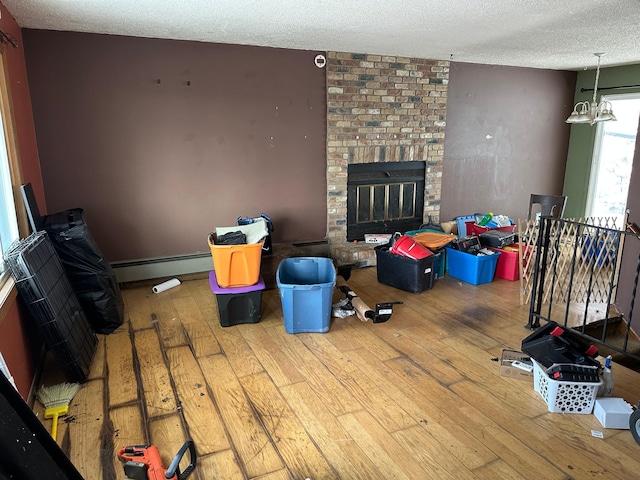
<point x="54" y="426"/>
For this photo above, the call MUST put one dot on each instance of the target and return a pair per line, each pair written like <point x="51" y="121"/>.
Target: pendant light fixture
<point x="592" y="112"/>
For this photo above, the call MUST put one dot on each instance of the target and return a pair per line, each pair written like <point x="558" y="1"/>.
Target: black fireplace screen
<point x="384" y="198"/>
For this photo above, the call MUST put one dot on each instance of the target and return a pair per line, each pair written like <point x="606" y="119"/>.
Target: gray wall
<point x="505" y="138"/>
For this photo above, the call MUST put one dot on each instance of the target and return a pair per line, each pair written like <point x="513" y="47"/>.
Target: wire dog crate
<point x="45" y="289"/>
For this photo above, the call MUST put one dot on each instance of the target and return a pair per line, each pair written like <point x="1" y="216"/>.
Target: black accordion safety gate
<point x="575" y="282"/>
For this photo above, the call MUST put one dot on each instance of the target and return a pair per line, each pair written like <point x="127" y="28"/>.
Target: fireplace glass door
<point x="384" y="198"/>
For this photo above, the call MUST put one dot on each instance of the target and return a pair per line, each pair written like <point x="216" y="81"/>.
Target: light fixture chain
<point x="591" y="113"/>
<point x="595" y="87"/>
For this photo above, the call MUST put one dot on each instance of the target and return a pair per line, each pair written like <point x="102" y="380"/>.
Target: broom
<point x="56" y="402"/>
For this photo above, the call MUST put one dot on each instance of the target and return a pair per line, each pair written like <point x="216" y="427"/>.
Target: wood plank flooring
<point x="417" y="397"/>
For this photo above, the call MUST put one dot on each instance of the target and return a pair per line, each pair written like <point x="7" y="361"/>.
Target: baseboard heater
<point x="148" y="268"/>
<point x="159" y="267"/>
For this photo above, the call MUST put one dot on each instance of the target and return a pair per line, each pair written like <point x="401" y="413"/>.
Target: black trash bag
<point x="91" y="276"/>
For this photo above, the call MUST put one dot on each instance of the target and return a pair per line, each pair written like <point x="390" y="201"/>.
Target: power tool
<point x="143" y="462"/>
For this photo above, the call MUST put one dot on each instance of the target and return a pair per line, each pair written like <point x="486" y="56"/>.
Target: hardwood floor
<point x="417" y="397"/>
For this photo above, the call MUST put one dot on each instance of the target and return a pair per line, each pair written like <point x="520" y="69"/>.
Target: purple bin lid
<point x="217" y="289"/>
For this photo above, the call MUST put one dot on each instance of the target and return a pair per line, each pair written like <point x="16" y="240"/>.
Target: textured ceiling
<point x="549" y="34"/>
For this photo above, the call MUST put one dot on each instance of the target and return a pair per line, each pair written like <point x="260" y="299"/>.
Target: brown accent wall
<point x="22" y="108"/>
<point x="160" y="140"/>
<point x="505" y="138"/>
<point x="20" y="342"/>
<point x="383" y="109"/>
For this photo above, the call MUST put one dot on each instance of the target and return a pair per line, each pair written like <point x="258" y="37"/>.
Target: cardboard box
<point x="377" y="238"/>
<point x="507" y="369"/>
<point x="613" y="412"/>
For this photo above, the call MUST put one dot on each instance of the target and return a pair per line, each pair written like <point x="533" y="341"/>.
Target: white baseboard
<point x="145" y="269"/>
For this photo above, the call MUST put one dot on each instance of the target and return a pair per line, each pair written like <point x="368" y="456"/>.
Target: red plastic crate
<point x="508" y="266"/>
<point x="473" y="229"/>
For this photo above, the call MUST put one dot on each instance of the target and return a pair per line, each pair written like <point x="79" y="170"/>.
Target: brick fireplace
<point x="381" y="109"/>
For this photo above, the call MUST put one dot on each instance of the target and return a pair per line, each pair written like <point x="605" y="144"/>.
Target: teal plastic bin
<point x="439" y="263"/>
<point x="306" y="291"/>
<point x="470" y="268"/>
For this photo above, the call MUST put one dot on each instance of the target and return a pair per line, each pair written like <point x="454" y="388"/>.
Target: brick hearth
<point x="358" y="254"/>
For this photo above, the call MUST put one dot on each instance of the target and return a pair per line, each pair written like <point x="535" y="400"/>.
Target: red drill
<point x="143" y="462"/>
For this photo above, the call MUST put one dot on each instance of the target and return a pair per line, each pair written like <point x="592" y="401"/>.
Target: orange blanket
<point x="433" y="240"/>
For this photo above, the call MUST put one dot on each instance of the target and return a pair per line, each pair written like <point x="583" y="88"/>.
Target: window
<point x="8" y="220"/>
<point x="9" y="169"/>
<point x="613" y="158"/>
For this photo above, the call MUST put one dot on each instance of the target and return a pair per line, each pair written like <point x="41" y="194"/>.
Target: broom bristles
<point x="57" y="395"/>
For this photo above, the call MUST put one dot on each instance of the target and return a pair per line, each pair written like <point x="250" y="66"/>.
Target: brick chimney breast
<point x="382" y="109"/>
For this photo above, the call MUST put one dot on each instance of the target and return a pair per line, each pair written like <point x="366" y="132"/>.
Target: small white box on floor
<point x="377" y="238"/>
<point x="612" y="412"/>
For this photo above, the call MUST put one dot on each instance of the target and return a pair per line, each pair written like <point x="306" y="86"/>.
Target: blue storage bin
<point x="597" y="248"/>
<point x="470" y="268"/>
<point x="306" y="291"/>
<point x="462" y="224"/>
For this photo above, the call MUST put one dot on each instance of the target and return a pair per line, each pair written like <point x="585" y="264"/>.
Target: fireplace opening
<point x="384" y="198"/>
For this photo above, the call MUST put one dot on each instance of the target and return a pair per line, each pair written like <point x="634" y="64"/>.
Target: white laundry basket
<point x="564" y="396"/>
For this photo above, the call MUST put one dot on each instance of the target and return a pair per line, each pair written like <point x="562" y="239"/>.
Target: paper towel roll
<point x="174" y="282"/>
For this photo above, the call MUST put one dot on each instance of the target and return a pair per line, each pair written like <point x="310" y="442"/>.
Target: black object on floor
<point x="28" y="451"/>
<point x="554" y="344"/>
<point x="90" y="275"/>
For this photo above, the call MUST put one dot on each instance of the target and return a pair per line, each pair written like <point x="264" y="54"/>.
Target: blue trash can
<point x="306" y="291"/>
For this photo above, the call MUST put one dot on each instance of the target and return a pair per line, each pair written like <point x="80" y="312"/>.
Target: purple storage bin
<point x="238" y="304"/>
